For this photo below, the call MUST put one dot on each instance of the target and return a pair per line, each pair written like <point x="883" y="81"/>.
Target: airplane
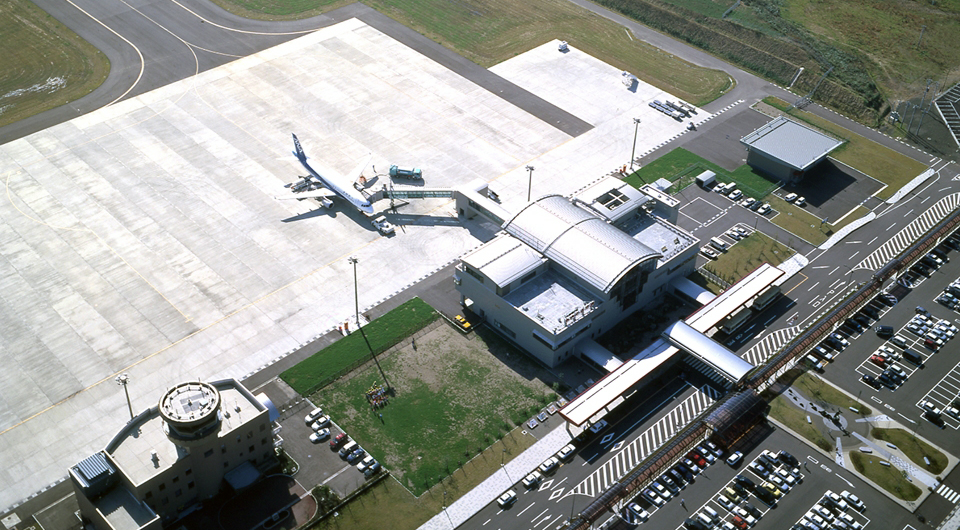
<point x="323" y="188"/>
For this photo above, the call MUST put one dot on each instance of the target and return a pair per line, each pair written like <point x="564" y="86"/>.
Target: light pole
<point x="122" y="380"/>
<point x="502" y="466"/>
<point x="356" y="304"/>
<point x="636" y="127"/>
<point x="529" y="181"/>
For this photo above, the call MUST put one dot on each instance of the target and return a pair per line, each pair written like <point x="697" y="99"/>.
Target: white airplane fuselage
<point x="337" y="185"/>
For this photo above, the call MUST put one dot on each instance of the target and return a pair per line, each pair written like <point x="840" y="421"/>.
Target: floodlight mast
<point x="123" y="380"/>
<point x="636" y="128"/>
<point x="356" y="305"/>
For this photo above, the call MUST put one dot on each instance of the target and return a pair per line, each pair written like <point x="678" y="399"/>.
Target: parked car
<point x="508" y="498"/>
<point x="764" y="209"/>
<point x="745" y="482"/>
<point x="532" y="479"/>
<point x="870" y="380"/>
<point x="639" y="514"/>
<point x="652" y="496"/>
<point x="800" y="201"/>
<point x="790" y="197"/>
<point x="549" y="465"/>
<point x="318" y="436"/>
<point x="734" y="458"/>
<point x="365" y="463"/>
<point x="566" y="452"/>
<point x="313" y="415"/>
<point x="321" y="422"/>
<point x="338" y="440"/>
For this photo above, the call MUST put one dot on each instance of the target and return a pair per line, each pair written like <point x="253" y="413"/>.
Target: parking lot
<point x="819" y="475"/>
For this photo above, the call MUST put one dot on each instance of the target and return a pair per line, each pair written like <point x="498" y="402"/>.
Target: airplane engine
<point x="325" y="202"/>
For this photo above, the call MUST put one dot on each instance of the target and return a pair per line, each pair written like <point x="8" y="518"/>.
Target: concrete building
<point x="200" y="438"/>
<point x="786" y="150"/>
<point x="564" y="270"/>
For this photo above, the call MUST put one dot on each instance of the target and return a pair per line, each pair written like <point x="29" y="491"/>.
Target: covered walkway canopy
<point x="734" y="298"/>
<point x="718" y="357"/>
<point x="615" y="384"/>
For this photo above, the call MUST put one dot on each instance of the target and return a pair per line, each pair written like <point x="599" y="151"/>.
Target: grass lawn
<point x="914" y="448"/>
<point x="318" y="369"/>
<point x="788" y="414"/>
<point x="452" y="396"/>
<point x="488" y="32"/>
<point x="816" y="389"/>
<point x="748" y="254"/>
<point x="866" y="156"/>
<point x="798" y="221"/>
<point x="887" y="477"/>
<point x="407" y="512"/>
<point x="682" y="166"/>
<point x="44" y="63"/>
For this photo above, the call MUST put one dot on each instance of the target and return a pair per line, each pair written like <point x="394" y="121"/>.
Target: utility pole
<point x="122" y="380"/>
<point x="529" y="181"/>
<point x="356" y="305"/>
<point x="923" y="112"/>
<point x="922" y="29"/>
<point x="633" y="152"/>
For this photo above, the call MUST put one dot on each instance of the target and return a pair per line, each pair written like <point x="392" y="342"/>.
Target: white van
<point x="718" y="244"/>
<point x="712" y="514"/>
<point x="350" y="447"/>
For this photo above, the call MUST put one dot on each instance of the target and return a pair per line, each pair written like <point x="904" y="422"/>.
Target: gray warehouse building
<point x="564" y="270"/>
<point x="786" y="150"/>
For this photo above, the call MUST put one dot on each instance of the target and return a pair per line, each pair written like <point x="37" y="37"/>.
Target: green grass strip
<point x="321" y="368"/>
<point x="914" y="448"/>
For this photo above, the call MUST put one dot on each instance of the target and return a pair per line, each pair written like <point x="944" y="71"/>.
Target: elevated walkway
<point x="412" y="193"/>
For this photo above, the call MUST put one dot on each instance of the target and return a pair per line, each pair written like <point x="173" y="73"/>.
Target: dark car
<point x="920" y="310"/>
<point x="669" y="484"/>
<point x="787" y="458"/>
<point x="862" y="320"/>
<point x="741" y="491"/>
<point x="687" y="474"/>
<point x="870" y="380"/>
<point x="765" y="496"/>
<point x="870" y="312"/>
<point x="745" y="482"/>
<point x="752" y="510"/>
<point x="767" y="461"/>
<point x="853" y="325"/>
<point x="884" y="331"/>
<point x="941" y="252"/>
<point x="922" y="269"/>
<point x="887" y="381"/>
<point x="693" y="524"/>
<point x="677" y="477"/>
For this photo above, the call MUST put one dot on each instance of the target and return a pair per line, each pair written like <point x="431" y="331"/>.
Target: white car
<point x="787" y="477"/>
<point x="661" y="491"/>
<point x="930" y="407"/>
<point x="365" y="463"/>
<point x="736" y="194"/>
<point x="850" y="521"/>
<point x="320" y="435"/>
<point x="733" y="234"/>
<point x="726" y="503"/>
<point x="639" y="514"/>
<point x="748" y="202"/>
<point x="764" y="208"/>
<point x="953" y="411"/>
<point x="815" y="518"/>
<point x="734" y="458"/>
<point x="709" y="252"/>
<point x="800" y="201"/>
<point x="751" y="520"/>
<point x="566" y="452"/>
<point x="778" y="481"/>
<point x="853" y="500"/>
<point x="837" y="500"/>
<point x="383" y="226"/>
<point x="743" y="233"/>
<point x="790" y="197"/>
<point x="549" y="465"/>
<point x="314" y="414"/>
<point x="321" y="422"/>
<point x="823" y="512"/>
<point x="652" y="496"/>
<point x="532" y="479"/>
<point x="507" y="498"/>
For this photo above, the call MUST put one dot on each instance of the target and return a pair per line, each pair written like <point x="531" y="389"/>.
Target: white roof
<point x="694" y="291"/>
<point x="616" y="383"/>
<point x="734" y="298"/>
<point x="708" y="350"/>
<point x="504" y="259"/>
<point x="791" y="143"/>
<point x="600" y="355"/>
<point x="578" y="240"/>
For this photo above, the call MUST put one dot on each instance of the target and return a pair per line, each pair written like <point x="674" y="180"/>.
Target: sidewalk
<point x="488" y="490"/>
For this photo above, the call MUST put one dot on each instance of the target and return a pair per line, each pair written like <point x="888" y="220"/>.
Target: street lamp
<point x="356" y="305"/>
<point x="122" y="380"/>
<point x="636" y="127"/>
<point x="502" y="466"/>
<point x="529" y="181"/>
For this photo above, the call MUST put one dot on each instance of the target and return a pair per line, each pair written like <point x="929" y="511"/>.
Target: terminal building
<point x="564" y="270"/>
<point x="200" y="438"/>
<point x="786" y="150"/>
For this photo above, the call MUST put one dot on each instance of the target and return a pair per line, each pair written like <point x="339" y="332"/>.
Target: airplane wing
<point x="355" y="174"/>
<point x="306" y="195"/>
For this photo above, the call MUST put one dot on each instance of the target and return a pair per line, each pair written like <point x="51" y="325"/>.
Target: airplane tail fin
<point x="298" y="151"/>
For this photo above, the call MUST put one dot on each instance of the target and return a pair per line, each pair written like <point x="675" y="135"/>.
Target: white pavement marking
<point x="910" y="233"/>
<point x="615" y="468"/>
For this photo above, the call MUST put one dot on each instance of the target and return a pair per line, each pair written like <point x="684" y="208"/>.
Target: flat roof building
<point x="174" y="455"/>
<point x="786" y="150"/>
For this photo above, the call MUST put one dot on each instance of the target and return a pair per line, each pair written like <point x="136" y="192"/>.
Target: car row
<point x="795" y="199"/>
<point x="318" y="422"/>
<point x="930" y="262"/>
<point x="348" y="449"/>
<point x="832" y="512"/>
<point x="730" y="190"/>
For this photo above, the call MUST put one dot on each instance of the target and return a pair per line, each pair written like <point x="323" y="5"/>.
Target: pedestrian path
<point x="910" y="233"/>
<point x="488" y="490"/>
<point x="763" y="350"/>
<point x="948" y="493"/>
<point x="632" y="453"/>
<point x="707" y="370"/>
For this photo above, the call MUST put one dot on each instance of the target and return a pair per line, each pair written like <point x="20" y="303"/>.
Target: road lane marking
<point x="527" y="508"/>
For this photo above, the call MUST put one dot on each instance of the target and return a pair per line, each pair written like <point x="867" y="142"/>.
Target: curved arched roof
<point x="578" y="240"/>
